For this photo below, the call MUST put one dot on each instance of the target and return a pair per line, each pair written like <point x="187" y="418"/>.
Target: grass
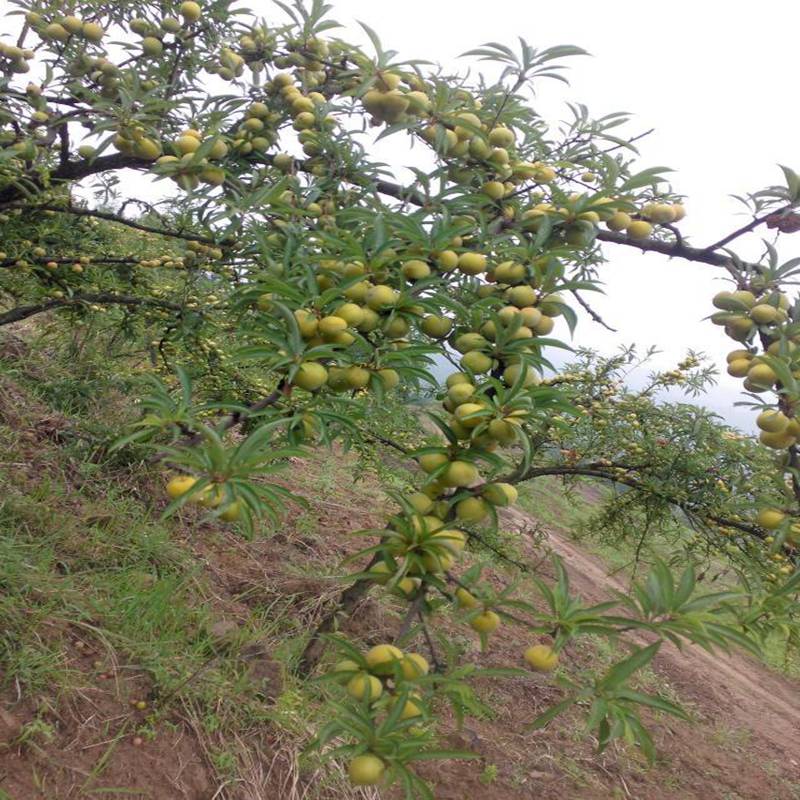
<point x="97" y="591"/>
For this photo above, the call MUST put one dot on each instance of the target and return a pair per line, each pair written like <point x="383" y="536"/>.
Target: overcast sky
<point x="715" y="81"/>
<point x="712" y="78"/>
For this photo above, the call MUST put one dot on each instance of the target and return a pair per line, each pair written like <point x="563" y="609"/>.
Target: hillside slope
<point x="153" y="660"/>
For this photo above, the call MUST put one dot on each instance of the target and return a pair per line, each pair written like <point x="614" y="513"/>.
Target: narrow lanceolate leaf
<point x="551" y="713"/>
<point x="620" y="673"/>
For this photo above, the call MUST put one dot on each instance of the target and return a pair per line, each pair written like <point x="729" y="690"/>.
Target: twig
<point x="592" y="313"/>
<point x="752" y="225"/>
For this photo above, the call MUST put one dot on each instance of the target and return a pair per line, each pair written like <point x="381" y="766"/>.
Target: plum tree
<point x="280" y="276"/>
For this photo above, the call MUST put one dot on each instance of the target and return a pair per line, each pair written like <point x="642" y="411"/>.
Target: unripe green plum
<point x="460" y="473"/>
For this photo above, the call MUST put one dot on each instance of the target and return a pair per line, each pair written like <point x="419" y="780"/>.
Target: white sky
<point x="715" y="80"/>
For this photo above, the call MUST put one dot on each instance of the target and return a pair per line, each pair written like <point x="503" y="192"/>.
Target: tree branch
<point x="110" y="217"/>
<point x="23" y="312"/>
<point x="752" y="225"/>
<point x="592" y="313"/>
<point x="597" y="471"/>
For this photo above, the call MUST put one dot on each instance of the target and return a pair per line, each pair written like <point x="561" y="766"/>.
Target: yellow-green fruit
<point x="764" y="314"/>
<point x="471" y="509"/>
<point x="501" y="137"/>
<point x="408" y="586"/>
<point x="310" y="376"/>
<point x="410" y="710"/>
<point x="762" y="375"/>
<point x="464" y="413"/>
<point x="544" y="326"/>
<point x="357" y="377"/>
<point x="364" y="686"/>
<point x="414" y="666"/>
<point x="72" y="24"/>
<point x="366" y="770"/>
<point x="380" y="572"/>
<point x="552" y="305"/>
<point x="662" y="212"/>
<point x="416" y="270"/>
<point x="476" y="361"/>
<point x="541" y="658"/>
<point x="147" y="149"/>
<point x="92" y="31"/>
<point x="232" y="512"/>
<point x="389" y="377"/>
<point x="470" y="341"/>
<point x="447" y="260"/>
<point x="472" y="263"/>
<point x="639" y="229"/>
<point x="346" y="666"/>
<point x="382" y="658"/>
<point x="777" y="441"/>
<point x="437" y="562"/>
<point x="770" y="518"/>
<point x="494" y="190"/>
<point x="179" y="485"/>
<point x="466" y="599"/>
<point x="521" y="296"/>
<point x="460" y="473"/>
<point x="436" y="327"/>
<point x="618" y="221"/>
<point x="186" y="144"/>
<point x="370" y="322"/>
<point x="736" y="355"/>
<point x="428" y="523"/>
<point x="739" y="367"/>
<point x="500" y="494"/>
<point x="352" y="314"/>
<point x="396" y="328"/>
<point x="380" y="297"/>
<point x="453" y="540"/>
<point x="430" y="462"/>
<point x="510" y="375"/>
<point x="509" y="272"/>
<point x="502" y="431"/>
<point x="744" y="297"/>
<point x="152" y="46"/>
<point x="214" y="176"/>
<point x="772" y="421"/>
<point x="778" y="348"/>
<point x="56" y="31"/>
<point x="457" y="377"/>
<point x="190" y="10"/>
<point x="487" y="622"/>
<point x="460" y="393"/>
<point x="420" y="502"/>
<point x="331" y="325"/>
<point x="724" y="300"/>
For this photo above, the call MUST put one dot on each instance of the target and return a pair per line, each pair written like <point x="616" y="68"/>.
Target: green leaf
<point x="620" y="672"/>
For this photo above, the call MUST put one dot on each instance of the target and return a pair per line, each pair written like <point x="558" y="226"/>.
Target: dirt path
<point x="750" y="695"/>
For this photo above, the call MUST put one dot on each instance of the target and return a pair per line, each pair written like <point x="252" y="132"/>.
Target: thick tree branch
<point x="23" y="312"/>
<point x="110" y="217"/>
